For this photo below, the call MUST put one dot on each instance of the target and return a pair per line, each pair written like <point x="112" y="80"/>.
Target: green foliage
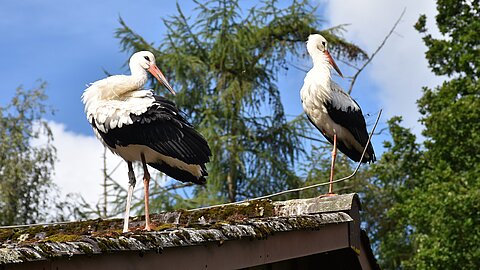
<point x="393" y="178"/>
<point x="225" y="62"/>
<point x="458" y="53"/>
<point x="25" y="170"/>
<point x="430" y="198"/>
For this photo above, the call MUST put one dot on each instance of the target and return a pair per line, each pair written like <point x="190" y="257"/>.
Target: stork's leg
<point x="146" y="182"/>
<point x="332" y="167"/>
<point x="131" y="186"/>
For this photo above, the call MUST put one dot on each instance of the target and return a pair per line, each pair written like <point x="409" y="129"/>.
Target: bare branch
<point x="381" y="131"/>
<point x="312" y="138"/>
<point x="299" y="68"/>
<point x="177" y="186"/>
<point x="354" y="78"/>
<point x="348" y="64"/>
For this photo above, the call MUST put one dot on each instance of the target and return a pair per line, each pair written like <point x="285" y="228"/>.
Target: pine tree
<point x="224" y="63"/>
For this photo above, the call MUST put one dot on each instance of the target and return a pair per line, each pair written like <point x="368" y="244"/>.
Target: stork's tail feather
<point x="180" y="174"/>
<point x="371" y="155"/>
<point x="356" y="155"/>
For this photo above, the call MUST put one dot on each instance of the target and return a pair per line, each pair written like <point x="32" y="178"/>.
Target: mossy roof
<point x="251" y="220"/>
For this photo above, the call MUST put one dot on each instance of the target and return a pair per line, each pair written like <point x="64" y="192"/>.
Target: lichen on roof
<point x="252" y="220"/>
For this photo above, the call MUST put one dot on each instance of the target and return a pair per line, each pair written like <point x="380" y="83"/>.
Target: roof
<point x="266" y="227"/>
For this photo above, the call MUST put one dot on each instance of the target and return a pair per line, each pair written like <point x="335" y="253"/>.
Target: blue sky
<point x="70" y="43"/>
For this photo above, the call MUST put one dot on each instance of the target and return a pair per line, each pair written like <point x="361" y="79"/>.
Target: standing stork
<point x="332" y="111"/>
<point x="140" y="126"/>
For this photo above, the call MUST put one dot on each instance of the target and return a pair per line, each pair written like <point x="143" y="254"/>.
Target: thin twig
<point x="354" y="78"/>
<point x="348" y="64"/>
<point x="298" y="67"/>
<point x="116" y="167"/>
<point x="172" y="187"/>
<point x="312" y="138"/>
<point x="307" y="187"/>
<point x="381" y="131"/>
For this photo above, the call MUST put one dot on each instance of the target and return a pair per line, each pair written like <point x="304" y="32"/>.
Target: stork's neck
<point x="139" y="75"/>
<point x="117" y="87"/>
<point x="321" y="68"/>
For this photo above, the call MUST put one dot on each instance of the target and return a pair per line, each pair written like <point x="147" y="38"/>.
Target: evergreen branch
<point x="312" y="138"/>
<point x="190" y="31"/>
<point x="129" y="39"/>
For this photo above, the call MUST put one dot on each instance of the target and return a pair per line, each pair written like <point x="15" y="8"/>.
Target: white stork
<point x="140" y="126"/>
<point x="332" y="111"/>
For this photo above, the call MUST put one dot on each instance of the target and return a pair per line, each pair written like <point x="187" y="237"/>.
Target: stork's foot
<point x="328" y="195"/>
<point x="148" y="226"/>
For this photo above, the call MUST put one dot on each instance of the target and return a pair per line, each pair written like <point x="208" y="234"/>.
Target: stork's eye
<point x="323" y="43"/>
<point x="147" y="58"/>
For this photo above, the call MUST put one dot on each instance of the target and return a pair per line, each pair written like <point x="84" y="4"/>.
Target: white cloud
<point x="79" y="165"/>
<point x="400" y="69"/>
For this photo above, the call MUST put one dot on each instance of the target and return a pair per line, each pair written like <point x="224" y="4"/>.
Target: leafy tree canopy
<point x="429" y="199"/>
<point x="25" y="170"/>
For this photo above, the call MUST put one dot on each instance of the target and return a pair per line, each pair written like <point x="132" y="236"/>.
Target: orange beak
<point x="160" y="77"/>
<point x="332" y="62"/>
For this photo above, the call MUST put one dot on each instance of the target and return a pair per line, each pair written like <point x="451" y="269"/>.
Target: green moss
<point x="29" y="256"/>
<point x="304" y="223"/>
<point x="177" y="242"/>
<point x="208" y="236"/>
<point x="63" y="238"/>
<point x="262" y="231"/>
<point x="47" y="250"/>
<point x="164" y="226"/>
<point x="102" y="246"/>
<point x="123" y="242"/>
<point x="107" y="233"/>
<point x="258" y="208"/>
<point x="183" y="235"/>
<point x="6" y="234"/>
<point x="109" y="224"/>
<point x="86" y="249"/>
<point x="30" y="232"/>
<point x="107" y="244"/>
<point x="145" y="237"/>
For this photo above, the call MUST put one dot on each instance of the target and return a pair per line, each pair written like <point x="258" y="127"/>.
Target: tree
<point x="431" y="218"/>
<point x="225" y="63"/>
<point x="25" y="170"/>
<point x="389" y="187"/>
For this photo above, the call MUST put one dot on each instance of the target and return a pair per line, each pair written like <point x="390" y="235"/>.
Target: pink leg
<point x="332" y="167"/>
<point x="146" y="182"/>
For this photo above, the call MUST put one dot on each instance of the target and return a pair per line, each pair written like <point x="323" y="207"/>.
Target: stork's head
<point x="146" y="61"/>
<point x="318" y="44"/>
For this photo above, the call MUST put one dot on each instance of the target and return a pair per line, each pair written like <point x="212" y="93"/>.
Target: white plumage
<point x="140" y="126"/>
<point x="336" y="115"/>
<point x="114" y="111"/>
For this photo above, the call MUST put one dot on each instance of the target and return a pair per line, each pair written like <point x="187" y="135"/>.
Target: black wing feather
<point x="354" y="122"/>
<point x="164" y="129"/>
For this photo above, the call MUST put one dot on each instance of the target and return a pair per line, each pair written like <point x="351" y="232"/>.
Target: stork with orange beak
<point x="140" y="126"/>
<point x="332" y="111"/>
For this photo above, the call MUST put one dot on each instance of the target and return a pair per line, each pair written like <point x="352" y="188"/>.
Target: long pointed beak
<point x="160" y="77"/>
<point x="332" y="62"/>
